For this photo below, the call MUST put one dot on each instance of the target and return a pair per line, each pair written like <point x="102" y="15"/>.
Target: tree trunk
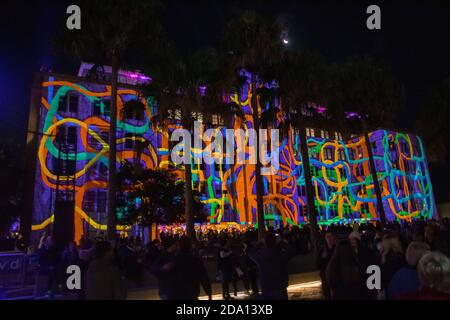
<point x="188" y="194"/>
<point x="247" y="219"/>
<point x="233" y="190"/>
<point x="244" y="171"/>
<point x="258" y="176"/>
<point x="373" y="172"/>
<point x="112" y="186"/>
<point x="233" y="180"/>
<point x="188" y="211"/>
<point x="312" y="217"/>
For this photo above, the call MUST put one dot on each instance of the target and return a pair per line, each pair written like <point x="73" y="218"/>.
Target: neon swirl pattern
<point x="92" y="153"/>
<point x="343" y="185"/>
<point x="403" y="175"/>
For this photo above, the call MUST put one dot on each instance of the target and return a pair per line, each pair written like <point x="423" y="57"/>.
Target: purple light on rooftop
<point x="321" y="109"/>
<point x="139" y="76"/>
<point x="202" y="90"/>
<point x="145" y="78"/>
<point x="352" y="114"/>
<point x="226" y="98"/>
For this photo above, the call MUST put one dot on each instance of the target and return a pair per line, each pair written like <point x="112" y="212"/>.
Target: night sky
<point x="414" y="41"/>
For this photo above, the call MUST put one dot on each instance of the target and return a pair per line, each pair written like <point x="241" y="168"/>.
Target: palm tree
<point x="434" y="129"/>
<point x="303" y="80"/>
<point x="253" y="43"/>
<point x="176" y="86"/>
<point x="223" y="80"/>
<point x="109" y="30"/>
<point x="365" y="86"/>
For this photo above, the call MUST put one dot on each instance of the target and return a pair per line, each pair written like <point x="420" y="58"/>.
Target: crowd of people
<point x="413" y="259"/>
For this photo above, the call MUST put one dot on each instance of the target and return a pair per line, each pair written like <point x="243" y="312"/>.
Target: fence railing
<point x="17" y="269"/>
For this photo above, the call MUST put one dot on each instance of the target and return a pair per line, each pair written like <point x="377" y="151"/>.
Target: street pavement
<point x="305" y="286"/>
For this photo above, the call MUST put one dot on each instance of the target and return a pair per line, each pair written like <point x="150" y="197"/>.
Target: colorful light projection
<point x="343" y="186"/>
<point x="341" y="179"/>
<point x="89" y="117"/>
<point x="225" y="187"/>
<point x="403" y="175"/>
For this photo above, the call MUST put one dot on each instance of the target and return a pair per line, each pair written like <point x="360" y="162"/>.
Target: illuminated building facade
<point x="74" y="111"/>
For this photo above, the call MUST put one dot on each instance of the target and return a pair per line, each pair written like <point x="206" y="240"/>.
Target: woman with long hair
<point x="392" y="258"/>
<point x="344" y="275"/>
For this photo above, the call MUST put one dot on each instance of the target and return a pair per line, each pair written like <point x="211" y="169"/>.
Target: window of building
<point x="217" y="120"/>
<point x="218" y="192"/>
<point x="63" y="167"/>
<point x="134" y="114"/>
<point x="174" y="114"/>
<point x="411" y="185"/>
<point x="345" y="209"/>
<point x="69" y="103"/>
<point x="406" y="163"/>
<point x="129" y="114"/>
<point x="362" y="190"/>
<point x="328" y="154"/>
<point x="198" y="116"/>
<point x="70" y="167"/>
<point x="307" y="111"/>
<point x="351" y="154"/>
<point x="342" y="173"/>
<point x="413" y="205"/>
<point x="129" y="140"/>
<point x="413" y="167"/>
<point x="374" y="146"/>
<point x="107" y="108"/>
<point x="96" y="108"/>
<point x="341" y="154"/>
<point x="309" y="132"/>
<point x="72" y="135"/>
<point x="89" y="201"/>
<point x="203" y="187"/>
<point x="104" y="135"/>
<point x="73" y="103"/>
<point x="419" y="204"/>
<point x="102" y="171"/>
<point x="67" y="135"/>
<point x="101" y="201"/>
<point x="360" y="170"/>
<point x="360" y="152"/>
<point x="301" y="191"/>
<point x="139" y="114"/>
<point x="391" y="145"/>
<point x="304" y="210"/>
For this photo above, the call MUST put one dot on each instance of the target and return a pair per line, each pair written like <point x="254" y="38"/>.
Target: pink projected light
<point x="350" y="115"/>
<point x="321" y="110"/>
<point x="138" y="76"/>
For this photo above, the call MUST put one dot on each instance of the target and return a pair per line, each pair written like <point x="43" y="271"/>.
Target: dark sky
<point x="414" y="41"/>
